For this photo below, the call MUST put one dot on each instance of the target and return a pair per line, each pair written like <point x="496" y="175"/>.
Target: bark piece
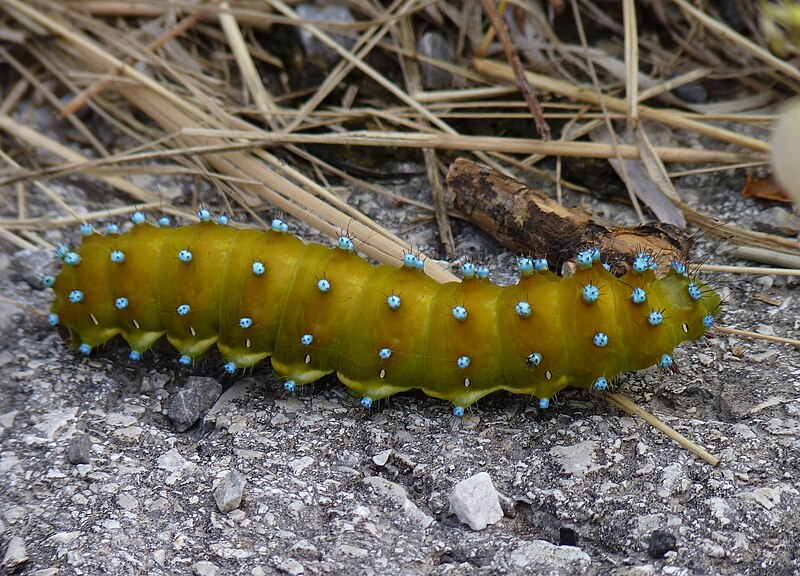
<point x="526" y="221"/>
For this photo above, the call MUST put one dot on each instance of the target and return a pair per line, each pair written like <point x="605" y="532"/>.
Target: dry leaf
<point x="764" y="188"/>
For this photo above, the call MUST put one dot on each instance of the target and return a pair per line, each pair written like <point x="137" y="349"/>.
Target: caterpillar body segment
<point x="315" y="310"/>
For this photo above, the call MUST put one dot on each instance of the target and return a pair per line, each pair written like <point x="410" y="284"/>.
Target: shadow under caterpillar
<point x="315" y="310"/>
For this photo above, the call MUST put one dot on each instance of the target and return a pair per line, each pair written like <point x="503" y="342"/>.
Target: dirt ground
<point x="334" y="489"/>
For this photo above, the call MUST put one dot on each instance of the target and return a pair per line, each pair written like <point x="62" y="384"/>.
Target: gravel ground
<point x="95" y="478"/>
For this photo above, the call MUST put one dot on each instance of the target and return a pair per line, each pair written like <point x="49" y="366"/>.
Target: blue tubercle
<point x="482" y="273"/>
<point x="52" y="319"/>
<point x="533" y="360"/>
<point x="279" y="225"/>
<point x="117" y="256"/>
<point x="600" y="339"/>
<point x="584" y="258"/>
<point x="323" y="285"/>
<point x="230" y="367"/>
<point x="76" y="296"/>
<point x="164" y="221"/>
<point x="523" y="309"/>
<point x="121" y="303"/>
<point x="525" y="266"/>
<point x="463" y="362"/>
<point x="655" y="318"/>
<point x="72" y="258"/>
<point x="112" y="229"/>
<point x="245" y="322"/>
<point x="258" y="268"/>
<point x="223" y="220"/>
<point x="458" y="411"/>
<point x="468" y="270"/>
<point x="460" y="313"/>
<point x="638" y="296"/>
<point x="540" y="264"/>
<point x="666" y="361"/>
<point x="185" y="256"/>
<point x="61" y="251"/>
<point x="185" y="360"/>
<point x="138" y="217"/>
<point x="204" y="215"/>
<point x="48" y="281"/>
<point x="544" y="403"/>
<point x="679" y="267"/>
<point x="184" y="309"/>
<point x="85" y="349"/>
<point x="694" y="291"/>
<point x="135" y="356"/>
<point x="393" y="301"/>
<point x="600" y="384"/>
<point x="344" y="243"/>
<point x="641" y="263"/>
<point x="419" y="263"/>
<point x="708" y="320"/>
<point x="86" y="229"/>
<point x="590" y="293"/>
<point x="607" y="266"/>
<point x="595" y="252"/>
<point x="307" y="339"/>
<point x="385" y="353"/>
<point x="366" y="402"/>
<point x="289" y="386"/>
<point x="409" y="260"/>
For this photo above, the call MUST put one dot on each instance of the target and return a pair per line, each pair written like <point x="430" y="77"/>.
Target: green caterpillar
<point x="315" y="310"/>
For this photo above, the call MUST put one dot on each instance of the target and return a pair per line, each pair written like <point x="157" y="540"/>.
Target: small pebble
<point x="80" y="448"/>
<point x="434" y="45"/>
<point x="777" y="220"/>
<point x="205" y="568"/>
<point x="290" y="566"/>
<point x="16" y="554"/>
<point x="189" y="404"/>
<point x="476" y="502"/>
<point x="228" y="493"/>
<point x="661" y="542"/>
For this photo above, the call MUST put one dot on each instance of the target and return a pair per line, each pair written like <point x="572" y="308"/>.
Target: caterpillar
<point x="315" y="310"/>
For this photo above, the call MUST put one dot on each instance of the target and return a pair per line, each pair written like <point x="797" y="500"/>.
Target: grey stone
<point x="546" y="559"/>
<point x="228" y="494"/>
<point x="127" y="502"/>
<point x="381" y="458"/>
<point x="290" y="566"/>
<point x="661" y="542"/>
<point x="315" y="51"/>
<point x="298" y="465"/>
<point x="777" y="220"/>
<point x="207" y="388"/>
<point x="80" y="449"/>
<point x="205" y="568"/>
<point x="184" y="409"/>
<point x="7" y="419"/>
<point x="16" y="555"/>
<point x="577" y="459"/>
<point x="55" y="421"/>
<point x="172" y="461"/>
<point x="434" y="45"/>
<point x="476" y="502"/>
<point x="398" y="495"/>
<point x="188" y="405"/>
